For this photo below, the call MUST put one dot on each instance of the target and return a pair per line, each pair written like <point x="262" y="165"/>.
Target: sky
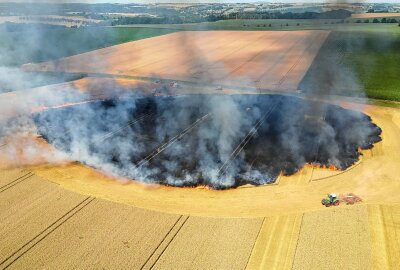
<point x="192" y="1"/>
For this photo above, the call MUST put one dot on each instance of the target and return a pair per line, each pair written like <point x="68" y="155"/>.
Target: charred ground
<point x="219" y="141"/>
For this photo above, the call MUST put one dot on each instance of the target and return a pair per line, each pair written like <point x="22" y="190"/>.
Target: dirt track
<point x="275" y="60"/>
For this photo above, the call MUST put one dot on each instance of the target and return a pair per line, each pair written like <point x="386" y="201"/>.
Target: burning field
<point x="218" y="141"/>
<point x="186" y="110"/>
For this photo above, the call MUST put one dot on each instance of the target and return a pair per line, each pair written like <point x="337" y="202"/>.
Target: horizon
<point x="195" y="2"/>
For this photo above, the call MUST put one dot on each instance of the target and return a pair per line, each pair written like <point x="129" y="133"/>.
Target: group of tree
<point x="333" y="14"/>
<point x="162" y="19"/>
<point x="382" y="20"/>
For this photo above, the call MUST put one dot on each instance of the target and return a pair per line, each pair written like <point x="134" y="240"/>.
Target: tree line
<point x="334" y="14"/>
<point x="376" y="20"/>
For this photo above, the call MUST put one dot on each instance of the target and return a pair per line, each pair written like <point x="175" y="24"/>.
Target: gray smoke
<point x="96" y="136"/>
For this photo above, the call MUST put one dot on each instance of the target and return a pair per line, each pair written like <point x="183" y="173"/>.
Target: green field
<point x="45" y="44"/>
<point x="363" y="62"/>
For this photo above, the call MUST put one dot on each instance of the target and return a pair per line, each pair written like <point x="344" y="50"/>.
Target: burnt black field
<point x="219" y="141"/>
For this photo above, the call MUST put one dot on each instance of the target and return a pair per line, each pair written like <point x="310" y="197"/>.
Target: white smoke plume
<point x="112" y="138"/>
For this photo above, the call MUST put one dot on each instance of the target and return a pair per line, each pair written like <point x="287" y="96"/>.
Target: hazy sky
<point x="192" y="1"/>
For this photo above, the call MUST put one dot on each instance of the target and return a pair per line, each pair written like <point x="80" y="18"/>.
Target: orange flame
<point x="331" y="167"/>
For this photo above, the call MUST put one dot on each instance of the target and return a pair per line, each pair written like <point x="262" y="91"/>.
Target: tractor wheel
<point x="336" y="203"/>
<point x="328" y="204"/>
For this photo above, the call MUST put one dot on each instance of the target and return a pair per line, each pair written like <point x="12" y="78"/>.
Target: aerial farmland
<point x="250" y="138"/>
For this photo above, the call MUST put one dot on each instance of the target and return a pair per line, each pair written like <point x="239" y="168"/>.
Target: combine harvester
<point x="333" y="200"/>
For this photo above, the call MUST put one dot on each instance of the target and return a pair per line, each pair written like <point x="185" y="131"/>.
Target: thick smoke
<point x="192" y="140"/>
<point x="17" y="129"/>
<point x="214" y="140"/>
<point x="17" y="101"/>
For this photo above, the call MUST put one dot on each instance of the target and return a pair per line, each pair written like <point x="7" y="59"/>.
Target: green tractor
<point x="330" y="200"/>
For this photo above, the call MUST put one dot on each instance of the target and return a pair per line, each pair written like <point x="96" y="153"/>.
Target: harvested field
<point x="268" y="60"/>
<point x="338" y="237"/>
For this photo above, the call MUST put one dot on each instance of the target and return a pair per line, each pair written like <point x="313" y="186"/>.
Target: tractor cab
<point x="330" y="200"/>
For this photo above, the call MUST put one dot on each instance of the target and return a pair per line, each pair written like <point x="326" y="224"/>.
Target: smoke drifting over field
<point x="220" y="141"/>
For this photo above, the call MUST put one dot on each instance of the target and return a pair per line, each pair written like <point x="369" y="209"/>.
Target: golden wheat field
<point x="111" y="235"/>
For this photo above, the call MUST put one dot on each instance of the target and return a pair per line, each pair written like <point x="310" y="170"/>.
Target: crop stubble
<point x="275" y="60"/>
